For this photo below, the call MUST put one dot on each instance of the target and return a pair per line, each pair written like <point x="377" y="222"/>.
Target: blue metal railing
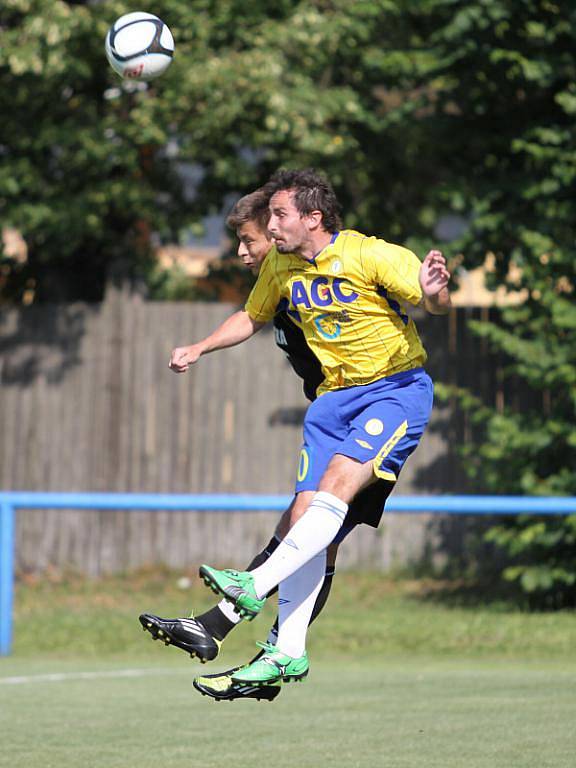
<point x="12" y="500"/>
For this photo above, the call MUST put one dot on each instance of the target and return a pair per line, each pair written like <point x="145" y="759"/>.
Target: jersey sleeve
<point x="395" y="268"/>
<point x="265" y="295"/>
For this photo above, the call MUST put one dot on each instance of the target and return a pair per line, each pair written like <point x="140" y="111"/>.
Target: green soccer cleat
<point x="237" y="587"/>
<point x="272" y="667"/>
<point x="221" y="687"/>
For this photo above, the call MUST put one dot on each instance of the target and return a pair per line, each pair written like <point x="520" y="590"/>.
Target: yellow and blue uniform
<point x="349" y="302"/>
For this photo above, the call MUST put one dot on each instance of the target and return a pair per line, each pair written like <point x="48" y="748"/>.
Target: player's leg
<point x="405" y="419"/>
<point x="367" y="507"/>
<point x="322" y="433"/>
<point x="297" y="510"/>
<point x="301" y="598"/>
<point x="311" y="534"/>
<point x="298" y="593"/>
<point x="397" y="417"/>
<point x="384" y="423"/>
<point x="202" y="636"/>
<point x="222" y="687"/>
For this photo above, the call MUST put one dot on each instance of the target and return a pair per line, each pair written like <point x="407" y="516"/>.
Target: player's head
<point x="302" y="204"/>
<point x="249" y="219"/>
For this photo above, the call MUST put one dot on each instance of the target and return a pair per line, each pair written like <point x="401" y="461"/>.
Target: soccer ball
<point x="139" y="46"/>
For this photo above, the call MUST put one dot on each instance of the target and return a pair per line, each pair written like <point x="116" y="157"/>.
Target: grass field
<point x="403" y="675"/>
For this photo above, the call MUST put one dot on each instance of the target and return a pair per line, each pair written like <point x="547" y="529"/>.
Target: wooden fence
<point x="87" y="403"/>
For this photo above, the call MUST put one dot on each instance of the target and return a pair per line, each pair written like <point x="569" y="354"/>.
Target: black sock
<point x="261" y="557"/>
<point x="213" y="620"/>
<point x="215" y="623"/>
<point x="323" y="594"/>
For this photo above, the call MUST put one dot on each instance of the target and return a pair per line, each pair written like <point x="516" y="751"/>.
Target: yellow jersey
<point x="348" y="301"/>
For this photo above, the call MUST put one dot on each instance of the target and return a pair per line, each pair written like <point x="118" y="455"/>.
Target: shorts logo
<point x="364" y="444"/>
<point x="303" y="465"/>
<point x="374" y="427"/>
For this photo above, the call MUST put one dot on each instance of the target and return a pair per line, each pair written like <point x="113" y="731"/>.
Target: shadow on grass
<point x="492" y="594"/>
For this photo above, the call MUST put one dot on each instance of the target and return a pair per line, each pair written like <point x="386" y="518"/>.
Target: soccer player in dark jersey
<point x="202" y="636"/>
<point x="349" y="291"/>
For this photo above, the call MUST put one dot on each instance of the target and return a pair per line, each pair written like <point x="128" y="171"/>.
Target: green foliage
<point x="505" y="77"/>
<point x="83" y="175"/>
<point x="92" y="167"/>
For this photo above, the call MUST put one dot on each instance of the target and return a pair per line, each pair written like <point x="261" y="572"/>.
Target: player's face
<point x="287" y="226"/>
<point x="253" y="245"/>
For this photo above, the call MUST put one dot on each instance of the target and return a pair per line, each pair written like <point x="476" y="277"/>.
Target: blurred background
<point x="441" y="123"/>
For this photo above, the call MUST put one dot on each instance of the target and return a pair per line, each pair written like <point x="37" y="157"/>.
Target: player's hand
<point x="183" y="357"/>
<point x="434" y="275"/>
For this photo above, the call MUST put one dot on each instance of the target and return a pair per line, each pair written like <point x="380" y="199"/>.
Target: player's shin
<point x="297" y="597"/>
<point x="309" y="536"/>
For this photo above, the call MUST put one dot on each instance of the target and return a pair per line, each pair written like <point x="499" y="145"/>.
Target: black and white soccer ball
<point x="139" y="46"/>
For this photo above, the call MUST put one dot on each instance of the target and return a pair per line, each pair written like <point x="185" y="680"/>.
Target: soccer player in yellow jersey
<point x="348" y="292"/>
<point x="202" y="635"/>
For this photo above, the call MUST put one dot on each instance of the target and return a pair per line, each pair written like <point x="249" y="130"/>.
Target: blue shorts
<point x="380" y="422"/>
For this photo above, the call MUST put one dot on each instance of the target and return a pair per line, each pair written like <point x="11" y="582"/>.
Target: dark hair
<point x="312" y="192"/>
<point x="252" y="207"/>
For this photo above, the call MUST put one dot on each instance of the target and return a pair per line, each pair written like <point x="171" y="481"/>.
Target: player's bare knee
<point x="299" y="506"/>
<point x="345" y="476"/>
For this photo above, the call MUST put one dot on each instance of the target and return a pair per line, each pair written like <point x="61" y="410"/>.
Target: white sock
<point x="228" y="610"/>
<point x="309" y="536"/>
<point x="296" y="599"/>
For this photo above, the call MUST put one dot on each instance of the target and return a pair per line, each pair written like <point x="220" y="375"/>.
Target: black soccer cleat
<point x="221" y="687"/>
<point x="187" y="634"/>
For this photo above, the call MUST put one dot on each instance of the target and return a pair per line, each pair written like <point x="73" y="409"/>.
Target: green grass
<point x="403" y="675"/>
<point x="366" y="612"/>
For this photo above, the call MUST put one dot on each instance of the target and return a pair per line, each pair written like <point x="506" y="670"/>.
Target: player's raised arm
<point x="434" y="278"/>
<point x="237" y="328"/>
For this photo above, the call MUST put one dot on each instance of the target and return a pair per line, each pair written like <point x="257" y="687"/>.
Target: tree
<point x="100" y="167"/>
<point x="499" y="84"/>
<point x="84" y="175"/>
